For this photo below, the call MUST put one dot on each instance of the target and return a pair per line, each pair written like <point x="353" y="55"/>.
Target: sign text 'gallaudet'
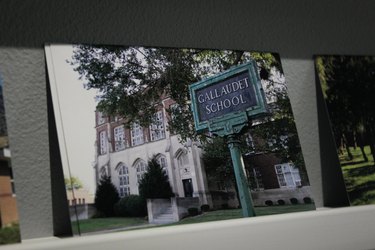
<point x="235" y="93"/>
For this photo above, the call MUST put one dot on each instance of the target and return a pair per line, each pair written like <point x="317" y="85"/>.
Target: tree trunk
<point x="350" y="155"/>
<point x="372" y="144"/>
<point x="360" y="142"/>
<point x="363" y="153"/>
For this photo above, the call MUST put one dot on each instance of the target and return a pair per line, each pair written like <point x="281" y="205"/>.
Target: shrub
<point x="294" y="201"/>
<point x="281" y="202"/>
<point x="154" y="183"/>
<point x="131" y="206"/>
<point x="205" y="208"/>
<point x="307" y="200"/>
<point x="10" y="234"/>
<point x="225" y="206"/>
<point x="106" y="196"/>
<point x="269" y="202"/>
<point x="193" y="211"/>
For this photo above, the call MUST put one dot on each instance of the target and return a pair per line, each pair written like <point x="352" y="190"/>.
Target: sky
<point x="77" y="109"/>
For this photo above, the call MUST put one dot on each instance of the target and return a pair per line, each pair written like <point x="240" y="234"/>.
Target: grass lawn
<point x="359" y="176"/>
<point x="10" y="234"/>
<point x="237" y="213"/>
<point x="99" y="224"/>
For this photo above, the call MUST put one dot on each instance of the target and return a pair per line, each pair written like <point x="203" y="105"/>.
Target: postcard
<point x="133" y="156"/>
<point x="9" y="227"/>
<point x="348" y="85"/>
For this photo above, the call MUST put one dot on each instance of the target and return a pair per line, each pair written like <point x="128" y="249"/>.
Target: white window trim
<point x="294" y="175"/>
<point x="119" y="138"/>
<point x="136" y="134"/>
<point x="124" y="181"/>
<point x="163" y="166"/>
<point x="157" y="131"/>
<point x="141" y="168"/>
<point x="103" y="142"/>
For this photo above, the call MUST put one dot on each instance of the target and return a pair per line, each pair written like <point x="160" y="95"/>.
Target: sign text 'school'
<point x="235" y="93"/>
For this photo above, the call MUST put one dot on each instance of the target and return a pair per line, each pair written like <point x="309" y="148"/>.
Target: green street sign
<point x="223" y="102"/>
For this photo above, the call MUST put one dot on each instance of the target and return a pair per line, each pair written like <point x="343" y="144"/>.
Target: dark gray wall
<point x="296" y="29"/>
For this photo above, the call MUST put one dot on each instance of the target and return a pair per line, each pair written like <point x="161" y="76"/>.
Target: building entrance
<point x="188" y="187"/>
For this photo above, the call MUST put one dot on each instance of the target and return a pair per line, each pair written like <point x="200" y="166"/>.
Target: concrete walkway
<point x="116" y="230"/>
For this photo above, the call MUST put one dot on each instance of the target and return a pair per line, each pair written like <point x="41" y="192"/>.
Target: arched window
<point x="183" y="162"/>
<point x="141" y="168"/>
<point x="123" y="175"/>
<point x="163" y="163"/>
<point x="182" y="157"/>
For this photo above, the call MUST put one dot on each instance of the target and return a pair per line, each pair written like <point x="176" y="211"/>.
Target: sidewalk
<point x="115" y="230"/>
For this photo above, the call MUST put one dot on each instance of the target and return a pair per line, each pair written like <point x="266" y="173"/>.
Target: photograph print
<point x="348" y="87"/>
<point x="9" y="227"/>
<point x="132" y="156"/>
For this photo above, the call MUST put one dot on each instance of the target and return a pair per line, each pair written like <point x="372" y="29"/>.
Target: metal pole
<point x="243" y="189"/>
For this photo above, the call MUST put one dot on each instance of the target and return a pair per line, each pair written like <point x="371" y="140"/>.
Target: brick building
<point x="8" y="206"/>
<point x="122" y="153"/>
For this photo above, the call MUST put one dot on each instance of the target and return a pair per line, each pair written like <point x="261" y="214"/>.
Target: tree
<point x="278" y="134"/>
<point x="154" y="183"/>
<point x="106" y="196"/>
<point x="73" y="183"/>
<point x="275" y="133"/>
<point x="131" y="80"/>
<point x="218" y="162"/>
<point x="131" y="206"/>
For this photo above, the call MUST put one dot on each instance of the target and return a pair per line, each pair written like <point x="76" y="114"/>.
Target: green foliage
<point x="154" y="183"/>
<point x="10" y="234"/>
<point x="131" y="80"/>
<point x="193" y="211"/>
<point x="281" y="202"/>
<point x="205" y="208"/>
<point x="294" y="201"/>
<point x="307" y="200"/>
<point x="73" y="182"/>
<point x="277" y="133"/>
<point x="131" y="206"/>
<point x="269" y="203"/>
<point x="217" y="160"/>
<point x="359" y="177"/>
<point x="106" y="197"/>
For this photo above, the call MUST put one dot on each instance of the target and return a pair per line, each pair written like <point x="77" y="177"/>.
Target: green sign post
<point x="224" y="104"/>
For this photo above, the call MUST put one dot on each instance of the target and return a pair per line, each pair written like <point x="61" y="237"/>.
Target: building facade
<point x="8" y="205"/>
<point x="122" y="152"/>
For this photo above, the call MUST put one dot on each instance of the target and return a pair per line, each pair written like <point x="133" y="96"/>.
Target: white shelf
<point x="338" y="228"/>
